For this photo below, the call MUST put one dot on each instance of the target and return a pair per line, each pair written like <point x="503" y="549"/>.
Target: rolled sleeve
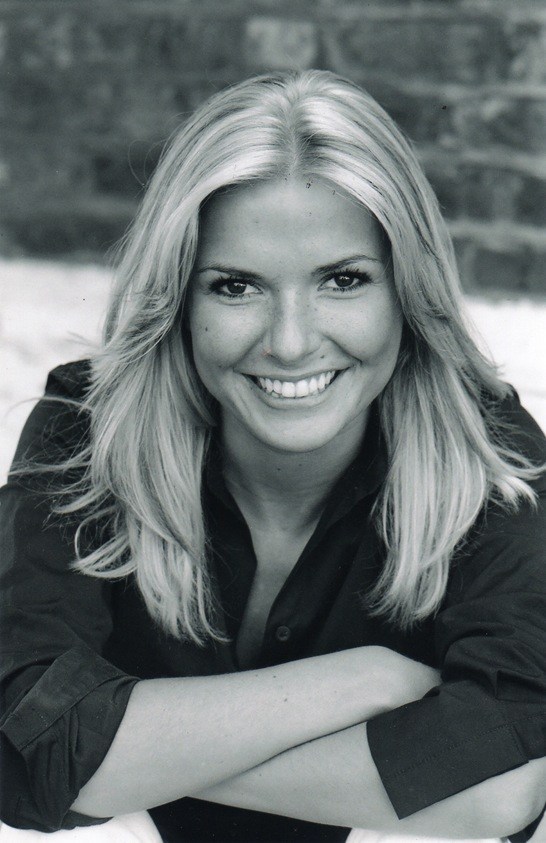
<point x="61" y="700"/>
<point x="57" y="736"/>
<point x="489" y="715"/>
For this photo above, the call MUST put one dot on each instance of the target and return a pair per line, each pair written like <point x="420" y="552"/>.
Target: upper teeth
<point x="297" y="389"/>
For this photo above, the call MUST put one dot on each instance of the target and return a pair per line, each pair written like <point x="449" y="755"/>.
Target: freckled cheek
<point x="372" y="340"/>
<point x="221" y="338"/>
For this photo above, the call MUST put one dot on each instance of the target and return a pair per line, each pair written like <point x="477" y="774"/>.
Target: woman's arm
<point x="179" y="736"/>
<point x="333" y="780"/>
<point x="454" y="762"/>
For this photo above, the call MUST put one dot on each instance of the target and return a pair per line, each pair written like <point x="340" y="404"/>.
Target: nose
<point x="293" y="331"/>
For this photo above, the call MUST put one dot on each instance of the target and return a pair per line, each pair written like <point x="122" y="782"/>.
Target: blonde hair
<point x="151" y="417"/>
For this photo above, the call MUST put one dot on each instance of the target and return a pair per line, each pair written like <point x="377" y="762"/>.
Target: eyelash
<point x="361" y="277"/>
<point x="216" y="286"/>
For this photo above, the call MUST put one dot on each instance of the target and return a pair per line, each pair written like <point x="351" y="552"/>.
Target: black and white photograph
<point x="272" y="421"/>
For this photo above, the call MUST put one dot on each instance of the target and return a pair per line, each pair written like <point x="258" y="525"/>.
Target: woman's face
<point x="294" y="321"/>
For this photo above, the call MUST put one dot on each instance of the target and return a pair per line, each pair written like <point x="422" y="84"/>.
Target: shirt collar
<point x="363" y="477"/>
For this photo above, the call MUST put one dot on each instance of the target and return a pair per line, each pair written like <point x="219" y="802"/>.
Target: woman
<point x="296" y="490"/>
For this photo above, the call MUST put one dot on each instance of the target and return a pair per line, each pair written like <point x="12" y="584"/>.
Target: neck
<point x="269" y="483"/>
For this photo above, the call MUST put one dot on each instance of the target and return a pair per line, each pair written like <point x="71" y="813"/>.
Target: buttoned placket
<point x="289" y="621"/>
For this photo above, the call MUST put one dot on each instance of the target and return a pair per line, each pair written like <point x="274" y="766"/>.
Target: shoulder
<point x="71" y="380"/>
<point x="506" y="543"/>
<point x="57" y="427"/>
<point x="517" y="431"/>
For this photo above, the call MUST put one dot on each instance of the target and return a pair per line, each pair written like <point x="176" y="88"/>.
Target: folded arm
<point x="78" y="731"/>
<point x="333" y="780"/>
<point x="179" y="736"/>
<point x="467" y="759"/>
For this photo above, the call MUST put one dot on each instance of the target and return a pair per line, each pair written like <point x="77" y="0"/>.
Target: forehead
<point x="287" y="217"/>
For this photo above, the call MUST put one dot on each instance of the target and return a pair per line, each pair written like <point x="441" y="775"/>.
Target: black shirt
<point x="74" y="646"/>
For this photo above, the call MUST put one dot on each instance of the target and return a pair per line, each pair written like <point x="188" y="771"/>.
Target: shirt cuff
<point x="421" y="758"/>
<point x="60" y="732"/>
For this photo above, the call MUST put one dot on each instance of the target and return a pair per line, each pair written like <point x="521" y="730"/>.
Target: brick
<point x="425" y="119"/>
<point x="122" y="171"/>
<point x="526" y="52"/>
<point x="489" y="193"/>
<point x="531" y="207"/>
<point x="220" y="44"/>
<point x="145" y="109"/>
<point x="504" y="195"/>
<point x="3" y="41"/>
<point x="516" y="122"/>
<point x="49" y="166"/>
<point x="436" y="50"/>
<point x="131" y="106"/>
<point x="90" y="91"/>
<point x="67" y="229"/>
<point x="514" y="270"/>
<point x="103" y="101"/>
<point x="278" y="43"/>
<point x="110" y="38"/>
<point x="162" y="42"/>
<point x="464" y="254"/>
<point x="37" y="101"/>
<point x="536" y="278"/>
<point x="447" y="185"/>
<point x="106" y="39"/>
<point x="39" y="40"/>
<point x="189" y="95"/>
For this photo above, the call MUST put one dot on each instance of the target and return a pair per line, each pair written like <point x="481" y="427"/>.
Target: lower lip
<point x="304" y="401"/>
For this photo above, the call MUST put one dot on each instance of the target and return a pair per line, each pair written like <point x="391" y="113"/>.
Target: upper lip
<point x="294" y="378"/>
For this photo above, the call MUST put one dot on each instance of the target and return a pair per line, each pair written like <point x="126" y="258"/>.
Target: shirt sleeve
<point x="489" y="715"/>
<point x="62" y="702"/>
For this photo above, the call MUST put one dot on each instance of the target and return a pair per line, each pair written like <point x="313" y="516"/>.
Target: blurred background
<point x="89" y="92"/>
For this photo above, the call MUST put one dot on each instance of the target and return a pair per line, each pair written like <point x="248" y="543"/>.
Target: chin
<point x="296" y="442"/>
<point x="297" y="446"/>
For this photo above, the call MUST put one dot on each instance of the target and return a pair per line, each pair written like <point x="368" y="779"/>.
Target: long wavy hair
<point x="151" y="417"/>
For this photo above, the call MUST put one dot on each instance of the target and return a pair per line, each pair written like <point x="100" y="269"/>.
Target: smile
<point x="296" y="389"/>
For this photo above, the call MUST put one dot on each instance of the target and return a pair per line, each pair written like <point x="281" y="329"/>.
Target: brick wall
<point x="90" y="91"/>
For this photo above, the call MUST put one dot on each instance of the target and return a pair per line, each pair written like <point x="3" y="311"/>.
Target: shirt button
<point x="283" y="633"/>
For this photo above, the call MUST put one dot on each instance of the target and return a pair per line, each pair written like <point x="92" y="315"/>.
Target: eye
<point x="233" y="288"/>
<point x="347" y="281"/>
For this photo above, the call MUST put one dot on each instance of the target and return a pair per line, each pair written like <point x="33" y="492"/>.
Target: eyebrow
<point x="328" y="267"/>
<point x="331" y="267"/>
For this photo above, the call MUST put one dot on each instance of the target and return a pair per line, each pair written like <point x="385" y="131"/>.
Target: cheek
<point x="220" y="336"/>
<point x="203" y="330"/>
<point x="373" y="336"/>
<point x="389" y="334"/>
